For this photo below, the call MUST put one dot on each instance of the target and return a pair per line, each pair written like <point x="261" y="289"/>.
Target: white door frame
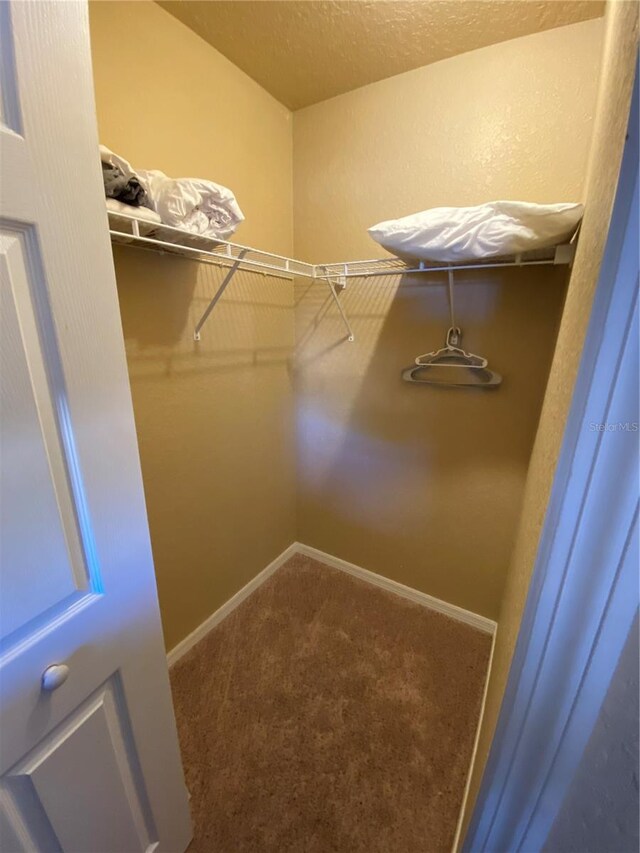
<point x="583" y="596"/>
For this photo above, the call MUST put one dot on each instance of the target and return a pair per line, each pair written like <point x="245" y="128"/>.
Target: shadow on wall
<point x="162" y="299"/>
<point x="215" y="426"/>
<point x="419" y="483"/>
<point x="319" y="306"/>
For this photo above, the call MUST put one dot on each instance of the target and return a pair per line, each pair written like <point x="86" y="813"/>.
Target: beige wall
<point x="424" y="485"/>
<point x="214" y="420"/>
<point x="619" y="59"/>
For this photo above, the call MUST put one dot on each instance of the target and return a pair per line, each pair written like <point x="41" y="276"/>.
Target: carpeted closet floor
<point x="325" y="714"/>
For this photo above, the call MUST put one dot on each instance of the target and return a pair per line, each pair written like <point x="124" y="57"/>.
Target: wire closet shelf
<point x="141" y="234"/>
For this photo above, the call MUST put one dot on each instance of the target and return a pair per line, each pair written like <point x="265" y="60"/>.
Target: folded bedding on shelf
<point x="465" y="234"/>
<point x="118" y="186"/>
<point x="120" y="180"/>
<point x="145" y="214"/>
<point x="195" y="205"/>
<point x="192" y="204"/>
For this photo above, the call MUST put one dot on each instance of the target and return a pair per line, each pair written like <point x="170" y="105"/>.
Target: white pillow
<point x="140" y="212"/>
<point x="459" y="234"/>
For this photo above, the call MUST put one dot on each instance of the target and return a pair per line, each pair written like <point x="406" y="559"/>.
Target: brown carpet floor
<point x="325" y="714"/>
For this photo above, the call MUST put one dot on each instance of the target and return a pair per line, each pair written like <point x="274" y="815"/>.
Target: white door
<point x="90" y="764"/>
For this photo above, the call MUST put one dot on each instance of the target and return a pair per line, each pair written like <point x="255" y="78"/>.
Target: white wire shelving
<point x="136" y="232"/>
<point x="141" y="234"/>
<point x="562" y="254"/>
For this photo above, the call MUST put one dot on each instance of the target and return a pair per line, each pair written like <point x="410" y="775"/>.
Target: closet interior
<point x="299" y="456"/>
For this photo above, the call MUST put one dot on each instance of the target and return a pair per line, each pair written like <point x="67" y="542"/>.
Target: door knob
<point x="54" y="676"/>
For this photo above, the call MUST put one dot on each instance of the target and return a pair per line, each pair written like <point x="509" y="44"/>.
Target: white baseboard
<point x="457" y="841"/>
<point x="451" y="610"/>
<point x="228" y="607"/>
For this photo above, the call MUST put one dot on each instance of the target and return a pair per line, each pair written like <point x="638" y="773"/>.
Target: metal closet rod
<point x="335" y="275"/>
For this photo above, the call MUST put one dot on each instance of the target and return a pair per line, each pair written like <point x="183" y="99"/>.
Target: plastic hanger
<point x="451" y="365"/>
<point x="452" y="355"/>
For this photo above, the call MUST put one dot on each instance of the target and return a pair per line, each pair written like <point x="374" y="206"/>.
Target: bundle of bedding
<point x="195" y="205"/>
<point x="466" y="234"/>
<point x="192" y="204"/>
<point x="124" y="189"/>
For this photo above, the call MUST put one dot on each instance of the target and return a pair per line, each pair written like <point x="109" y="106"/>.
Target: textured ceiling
<point x="304" y="51"/>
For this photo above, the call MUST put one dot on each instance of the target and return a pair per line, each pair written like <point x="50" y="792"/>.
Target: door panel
<point x="94" y="764"/>
<point x="83" y="778"/>
<point x="39" y="527"/>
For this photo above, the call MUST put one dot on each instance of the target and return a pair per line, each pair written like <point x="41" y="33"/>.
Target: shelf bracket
<point x="340" y="282"/>
<point x="223" y="286"/>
